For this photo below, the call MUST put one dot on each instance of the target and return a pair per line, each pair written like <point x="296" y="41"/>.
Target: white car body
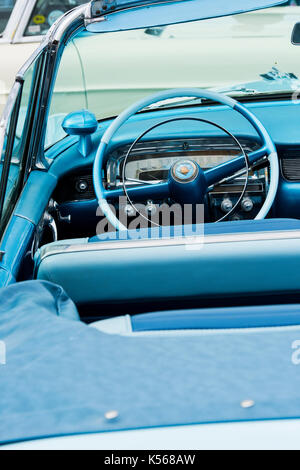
<point x="15" y="46"/>
<point x="257" y="435"/>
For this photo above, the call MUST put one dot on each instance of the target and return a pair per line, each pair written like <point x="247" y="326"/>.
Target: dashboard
<point x="151" y="159"/>
<point x="150" y="162"/>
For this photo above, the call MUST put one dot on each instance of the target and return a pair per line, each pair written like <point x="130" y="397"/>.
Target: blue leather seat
<point x="240" y="226"/>
<point x="236" y="258"/>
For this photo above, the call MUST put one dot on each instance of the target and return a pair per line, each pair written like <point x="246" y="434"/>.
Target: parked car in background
<point x="196" y="54"/>
<point x="23" y="24"/>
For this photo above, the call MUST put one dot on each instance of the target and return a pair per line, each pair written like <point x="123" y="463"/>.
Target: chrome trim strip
<point x="4" y="118"/>
<point x="49" y="250"/>
<point x="29" y="62"/>
<point x="58" y="29"/>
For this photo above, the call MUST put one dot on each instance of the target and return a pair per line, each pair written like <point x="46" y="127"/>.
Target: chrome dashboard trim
<point x="58" y="29"/>
<point x="181" y="147"/>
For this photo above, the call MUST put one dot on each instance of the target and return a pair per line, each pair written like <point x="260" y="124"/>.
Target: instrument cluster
<point x="151" y="161"/>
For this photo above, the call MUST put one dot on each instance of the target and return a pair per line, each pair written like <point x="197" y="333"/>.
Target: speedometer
<point x="151" y="161"/>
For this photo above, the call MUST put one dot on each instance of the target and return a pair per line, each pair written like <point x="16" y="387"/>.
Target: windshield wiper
<point x="272" y="83"/>
<point x="175" y="102"/>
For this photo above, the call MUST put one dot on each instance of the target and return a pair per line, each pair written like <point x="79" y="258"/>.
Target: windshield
<point x="248" y="54"/>
<point x="6" y="7"/>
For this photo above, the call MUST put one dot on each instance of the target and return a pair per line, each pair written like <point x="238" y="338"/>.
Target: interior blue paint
<point x="17" y="239"/>
<point x="6" y="277"/>
<point x="288" y="197"/>
<point x="281" y="112"/>
<point x="15" y="243"/>
<point x="35" y="196"/>
<point x="171" y="12"/>
<point x="195" y="377"/>
<point x="55" y="150"/>
<point x="218" y="318"/>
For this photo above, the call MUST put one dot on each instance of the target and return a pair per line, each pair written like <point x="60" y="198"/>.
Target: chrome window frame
<point x="11" y="101"/>
<point x="5" y="122"/>
<point x="55" y="41"/>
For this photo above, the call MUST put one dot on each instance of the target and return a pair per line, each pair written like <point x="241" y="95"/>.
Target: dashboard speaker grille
<point x="290" y="166"/>
<point x="71" y="189"/>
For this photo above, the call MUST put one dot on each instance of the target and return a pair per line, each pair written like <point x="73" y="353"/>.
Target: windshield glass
<point x="244" y="54"/>
<point x="6" y="7"/>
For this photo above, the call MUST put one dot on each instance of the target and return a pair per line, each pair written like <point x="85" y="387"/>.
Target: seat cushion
<point x="234" y="263"/>
<point x="239" y="226"/>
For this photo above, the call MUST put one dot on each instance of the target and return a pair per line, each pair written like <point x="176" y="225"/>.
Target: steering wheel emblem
<point x="185" y="171"/>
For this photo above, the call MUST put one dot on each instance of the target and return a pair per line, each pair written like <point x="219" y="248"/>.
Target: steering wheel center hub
<point x="185" y="171"/>
<point x="187" y="182"/>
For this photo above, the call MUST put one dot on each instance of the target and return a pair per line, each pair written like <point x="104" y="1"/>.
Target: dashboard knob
<point x="235" y="217"/>
<point x="247" y="204"/>
<point x="226" y="205"/>
<point x="82" y="186"/>
<point x="129" y="210"/>
<point x="151" y="207"/>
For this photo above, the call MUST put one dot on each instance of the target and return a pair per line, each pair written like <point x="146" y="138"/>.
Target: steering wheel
<point x="195" y="181"/>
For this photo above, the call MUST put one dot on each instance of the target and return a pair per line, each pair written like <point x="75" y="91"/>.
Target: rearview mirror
<point x="84" y="124"/>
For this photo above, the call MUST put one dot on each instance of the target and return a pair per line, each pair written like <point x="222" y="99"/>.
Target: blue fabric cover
<point x="218" y="318"/>
<point x="240" y="226"/>
<point x="61" y="376"/>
